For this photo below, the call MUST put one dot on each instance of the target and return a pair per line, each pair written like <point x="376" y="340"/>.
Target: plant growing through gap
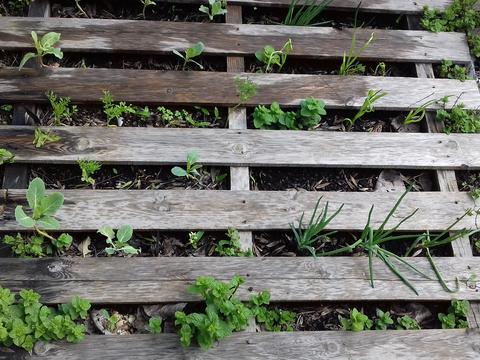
<point x="307" y="237"/>
<point x="61" y="107"/>
<point x="232" y="246"/>
<point x="306" y="14"/>
<point x="367" y="107"/>
<point x="276" y="319"/>
<point x="146" y="3"/>
<point x="155" y="325"/>
<point x="194" y="238"/>
<point x="456" y="318"/>
<point x="418" y="114"/>
<point x="357" y="321"/>
<point x="25" y="320"/>
<point x="450" y="71"/>
<point x="6" y="156"/>
<point x="89" y="168"/>
<point x="270" y="57"/>
<point x="214" y="8"/>
<point x="6" y="108"/>
<point x="191" y="171"/>
<point x="246" y="89"/>
<point x="115" y="111"/>
<point x="79" y="7"/>
<point x="407" y="323"/>
<point x="383" y="320"/>
<point x="119" y="241"/>
<point x="44" y="46"/>
<point x="191" y="53"/>
<point x="380" y="69"/>
<point x="41" y="138"/>
<point x="110" y="320"/>
<point x="459" y="120"/>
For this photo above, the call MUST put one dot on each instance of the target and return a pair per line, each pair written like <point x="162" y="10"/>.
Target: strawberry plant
<point x="25" y="320"/>
<point x="191" y="171"/>
<point x="6" y="156"/>
<point x="41" y="138"/>
<point x="357" y="321"/>
<point x="44" y="46"/>
<point x="191" y="53"/>
<point x="456" y="318"/>
<point x="119" y="242"/>
<point x="89" y="168"/>
<point x="214" y="8"/>
<point x="232" y="246"/>
<point x="61" y="107"/>
<point x="270" y="57"/>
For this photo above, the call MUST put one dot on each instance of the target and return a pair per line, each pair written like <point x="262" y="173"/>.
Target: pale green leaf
<point x="48" y="223"/>
<point x="35" y="193"/>
<point x="51" y="204"/>
<point x="107" y="231"/>
<point x="124" y="233"/>
<point x="23" y="219"/>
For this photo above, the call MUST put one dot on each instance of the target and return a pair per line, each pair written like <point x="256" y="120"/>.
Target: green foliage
<point x="6" y="156"/>
<point x="418" y="114"/>
<point x="155" y="325"/>
<point x="61" y="107"/>
<point x="380" y="69"/>
<point x="175" y="118"/>
<point x="350" y="64"/>
<point x="276" y="319"/>
<point x="6" y="108"/>
<point x="357" y="321"/>
<point x="89" y="168"/>
<point x="306" y="237"/>
<point x="42" y="138"/>
<point x="367" y="106"/>
<point x="306" y="14"/>
<point x="456" y="318"/>
<point x="115" y="111"/>
<point x="450" y="71"/>
<point x="15" y="7"/>
<point x="460" y="120"/>
<point x="119" y="242"/>
<point x="190" y="53"/>
<point x="147" y="3"/>
<point x="232" y="246"/>
<point x="224" y="312"/>
<point x="44" y="46"/>
<point x="270" y="57"/>
<point x="191" y="171"/>
<point x="214" y="8"/>
<point x="25" y="247"/>
<point x="383" y="320"/>
<point x="311" y="112"/>
<point x="194" y="238"/>
<point x="25" y="321"/>
<point x="407" y="323"/>
<point x="111" y="320"/>
<point x="246" y="90"/>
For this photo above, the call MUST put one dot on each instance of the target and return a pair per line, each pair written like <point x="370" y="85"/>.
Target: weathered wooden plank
<point x="133" y="36"/>
<point x="229" y="147"/>
<point x="188" y="87"/>
<point x="88" y="210"/>
<point x="111" y="280"/>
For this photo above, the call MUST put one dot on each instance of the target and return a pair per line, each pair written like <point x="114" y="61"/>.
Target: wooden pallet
<point x="150" y="280"/>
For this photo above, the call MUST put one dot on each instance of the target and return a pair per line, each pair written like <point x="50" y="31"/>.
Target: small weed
<point x="42" y="138"/>
<point x="270" y="57"/>
<point x="119" y="242"/>
<point x="450" y="71"/>
<point x="6" y="108"/>
<point x="191" y="171"/>
<point x="276" y="319"/>
<point x="418" y="114"/>
<point x="214" y="8"/>
<point x="61" y="108"/>
<point x="111" y="320"/>
<point x="246" y="89"/>
<point x="44" y="46"/>
<point x="115" y="111"/>
<point x="357" y="321"/>
<point x="155" y="325"/>
<point x="306" y="14"/>
<point x="146" y="4"/>
<point x="194" y="238"/>
<point x="191" y="53"/>
<point x="460" y="120"/>
<point x="6" y="156"/>
<point x="89" y="168"/>
<point x="456" y="318"/>
<point x="380" y="69"/>
<point x="232" y="246"/>
<point x="367" y="107"/>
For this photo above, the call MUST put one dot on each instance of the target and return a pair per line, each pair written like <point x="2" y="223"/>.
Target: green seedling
<point x="232" y="246"/>
<point x="214" y="8"/>
<point x="146" y="3"/>
<point x="191" y="171"/>
<point x="307" y="237"/>
<point x="194" y="238"/>
<point x="155" y="325"/>
<point x="44" y="46"/>
<point x="246" y="89"/>
<point x="6" y="156"/>
<point x="42" y="138"/>
<point x="383" y="320"/>
<point x="115" y="111"/>
<point x="418" y="114"/>
<point x="367" y="107"/>
<point x="460" y="120"/>
<point x="89" y="168"/>
<point x="310" y="114"/>
<point x="306" y="14"/>
<point x="119" y="242"/>
<point x="191" y="53"/>
<point x="450" y="71"/>
<point x="456" y="318"/>
<point x="270" y="57"/>
<point x="407" y="323"/>
<point x="111" y="320"/>
<point x="276" y="319"/>
<point x="61" y="108"/>
<point x="380" y="69"/>
<point x="357" y="321"/>
<point x="6" y="108"/>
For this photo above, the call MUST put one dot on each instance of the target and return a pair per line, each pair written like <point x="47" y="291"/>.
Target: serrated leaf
<point x="22" y="218"/>
<point x="124" y="233"/>
<point x="35" y="193"/>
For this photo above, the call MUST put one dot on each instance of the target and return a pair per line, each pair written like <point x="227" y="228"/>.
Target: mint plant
<point x="311" y="112"/>
<point x="270" y="57"/>
<point x="276" y="319"/>
<point x="61" y="107"/>
<point x="367" y="107"/>
<point x="460" y="120"/>
<point x="191" y="171"/>
<point x="119" y="242"/>
<point x="357" y="321"/>
<point x="25" y="320"/>
<point x="214" y="8"/>
<point x="407" y="323"/>
<point x="191" y="53"/>
<point x="232" y="246"/>
<point x="456" y="318"/>
<point x="42" y="138"/>
<point x="155" y="325"/>
<point x="6" y="156"/>
<point x="44" y="46"/>
<point x="146" y="3"/>
<point x="383" y="320"/>
<point x="89" y="168"/>
<point x="450" y="71"/>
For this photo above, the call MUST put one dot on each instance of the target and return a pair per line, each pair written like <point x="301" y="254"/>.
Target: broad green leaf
<point x="48" y="223"/>
<point x="50" y="39"/>
<point x="178" y="171"/>
<point x="58" y="53"/>
<point x="192" y="157"/>
<point x="204" y="9"/>
<point x="107" y="231"/>
<point x="25" y="59"/>
<point x="124" y="233"/>
<point x="51" y="204"/>
<point x="64" y="241"/>
<point x="129" y="250"/>
<point x="22" y="218"/>
<point x="110" y="251"/>
<point x="195" y="50"/>
<point x="35" y="193"/>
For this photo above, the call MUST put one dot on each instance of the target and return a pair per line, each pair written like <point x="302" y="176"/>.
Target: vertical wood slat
<point x="446" y="179"/>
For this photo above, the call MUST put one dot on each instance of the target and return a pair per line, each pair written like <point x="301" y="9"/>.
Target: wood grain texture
<point x="188" y="87"/>
<point x="229" y="147"/>
<point x="158" y="37"/>
<point x="88" y="210"/>
<point x="111" y="280"/>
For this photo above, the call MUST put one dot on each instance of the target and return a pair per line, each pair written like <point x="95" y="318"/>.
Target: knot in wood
<point x="59" y="269"/>
<point x="239" y="149"/>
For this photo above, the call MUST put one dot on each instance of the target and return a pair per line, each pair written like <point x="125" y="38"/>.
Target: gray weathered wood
<point x="246" y="147"/>
<point x="133" y="36"/>
<point x="188" y="87"/>
<point x="88" y="210"/>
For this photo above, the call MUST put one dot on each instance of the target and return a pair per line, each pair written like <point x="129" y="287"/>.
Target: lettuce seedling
<point x="214" y="8"/>
<point x="6" y="156"/>
<point x="89" y="168"/>
<point x="191" y="171"/>
<point x="190" y="53"/>
<point x="44" y="46"/>
<point x="61" y="107"/>
<point x="119" y="242"/>
<point x="357" y="321"/>
<point x="41" y="138"/>
<point x="271" y="57"/>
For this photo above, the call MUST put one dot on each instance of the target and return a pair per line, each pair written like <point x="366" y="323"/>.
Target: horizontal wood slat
<point x="246" y="147"/>
<point x="88" y="210"/>
<point x="324" y="345"/>
<point x="188" y="87"/>
<point x="111" y="280"/>
<point x="99" y="35"/>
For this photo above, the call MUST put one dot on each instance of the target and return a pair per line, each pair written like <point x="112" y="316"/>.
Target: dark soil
<point x="468" y="180"/>
<point x="6" y="113"/>
<point x="13" y="8"/>
<point x="475" y="240"/>
<point x="130" y="178"/>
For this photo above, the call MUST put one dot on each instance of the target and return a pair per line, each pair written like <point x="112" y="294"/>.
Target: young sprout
<point x="89" y="168"/>
<point x="155" y="325"/>
<point x="61" y="107"/>
<point x="418" y="114"/>
<point x="119" y="242"/>
<point x="216" y="7"/>
<point x="146" y="3"/>
<point x="191" y="171"/>
<point x="194" y="238"/>
<point x="232" y="246"/>
<point x="6" y="156"/>
<point x="246" y="90"/>
<point x="270" y="57"/>
<point x="306" y="14"/>
<point x="190" y="53"/>
<point x="44" y="137"/>
<point x="380" y="69"/>
<point x="79" y="7"/>
<point x="115" y="111"/>
<point x="367" y="107"/>
<point x="44" y="46"/>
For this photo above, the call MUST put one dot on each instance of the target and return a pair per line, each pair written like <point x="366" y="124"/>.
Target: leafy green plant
<point x="194" y="238"/>
<point x="111" y="320"/>
<point x="155" y="325"/>
<point x="456" y="318"/>
<point x="115" y="111"/>
<point x="276" y="319"/>
<point x="407" y="323"/>
<point x="24" y="321"/>
<point x="383" y="320"/>
<point x="77" y="309"/>
<point x="41" y="138"/>
<point x="224" y="312"/>
<point x="306" y="14"/>
<point x="450" y="71"/>
<point x="418" y="114"/>
<point x="306" y="237"/>
<point x="246" y="90"/>
<point x="232" y="246"/>
<point x="350" y="64"/>
<point x="380" y="69"/>
<point x="6" y="108"/>
<point x="6" y="156"/>
<point x="44" y="46"/>
<point x="357" y="321"/>
<point x="214" y="8"/>
<point x="61" y="107"/>
<point x="119" y="242"/>
<point x="146" y="3"/>
<point x="459" y="120"/>
<point x="311" y="112"/>
<point x="271" y="57"/>
<point x="367" y="106"/>
<point x="89" y="168"/>
<point x="191" y="171"/>
<point x="190" y="53"/>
